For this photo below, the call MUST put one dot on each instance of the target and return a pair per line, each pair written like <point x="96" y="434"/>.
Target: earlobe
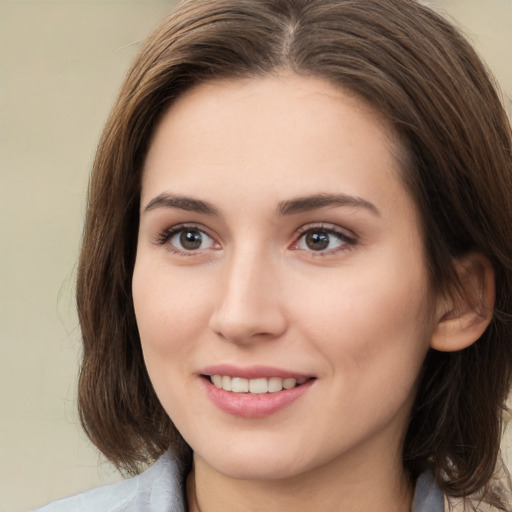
<point x="463" y="318"/>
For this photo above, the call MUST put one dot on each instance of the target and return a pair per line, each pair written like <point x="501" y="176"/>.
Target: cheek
<point x="170" y="316"/>
<point x="375" y="349"/>
<point x="170" y="311"/>
<point x="374" y="318"/>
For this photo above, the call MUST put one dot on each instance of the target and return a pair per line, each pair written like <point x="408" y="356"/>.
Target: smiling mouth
<point x="257" y="386"/>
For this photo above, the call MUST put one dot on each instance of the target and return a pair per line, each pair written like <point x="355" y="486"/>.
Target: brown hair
<point x="418" y="71"/>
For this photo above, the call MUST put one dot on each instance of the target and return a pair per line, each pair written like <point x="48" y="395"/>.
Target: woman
<point x="295" y="281"/>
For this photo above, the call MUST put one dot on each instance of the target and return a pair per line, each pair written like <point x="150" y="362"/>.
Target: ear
<point x="463" y="318"/>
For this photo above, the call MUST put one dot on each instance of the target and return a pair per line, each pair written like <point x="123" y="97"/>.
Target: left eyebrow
<point x="313" y="202"/>
<point x="181" y="203"/>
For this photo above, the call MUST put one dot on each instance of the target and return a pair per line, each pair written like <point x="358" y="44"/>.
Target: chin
<point x="252" y="461"/>
<point x="236" y="469"/>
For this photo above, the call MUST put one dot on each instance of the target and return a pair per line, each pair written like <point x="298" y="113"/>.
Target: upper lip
<point x="252" y="372"/>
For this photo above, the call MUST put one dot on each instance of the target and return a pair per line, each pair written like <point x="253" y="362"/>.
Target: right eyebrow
<point x="315" y="201"/>
<point x="182" y="203"/>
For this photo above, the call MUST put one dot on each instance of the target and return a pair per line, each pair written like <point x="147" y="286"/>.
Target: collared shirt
<point x="160" y="489"/>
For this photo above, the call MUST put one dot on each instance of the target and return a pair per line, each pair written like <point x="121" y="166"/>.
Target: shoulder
<point x="429" y="498"/>
<point x="158" y="489"/>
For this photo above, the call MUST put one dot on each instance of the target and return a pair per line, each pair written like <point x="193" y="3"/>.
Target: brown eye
<point x="190" y="240"/>
<point x="317" y="240"/>
<point x="322" y="240"/>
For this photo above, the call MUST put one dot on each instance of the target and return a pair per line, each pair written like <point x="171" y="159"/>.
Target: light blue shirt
<point x="160" y="489"/>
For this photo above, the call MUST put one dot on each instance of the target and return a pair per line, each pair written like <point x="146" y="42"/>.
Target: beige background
<point x="61" y="63"/>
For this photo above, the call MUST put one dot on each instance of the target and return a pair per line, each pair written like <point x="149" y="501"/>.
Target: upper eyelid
<point x="164" y="235"/>
<point x="327" y="226"/>
<point x="348" y="237"/>
<point x="187" y="225"/>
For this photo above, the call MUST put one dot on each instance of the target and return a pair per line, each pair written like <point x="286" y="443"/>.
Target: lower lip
<point x="248" y="405"/>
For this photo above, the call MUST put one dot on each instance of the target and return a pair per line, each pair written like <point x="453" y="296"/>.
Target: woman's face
<point x="280" y="285"/>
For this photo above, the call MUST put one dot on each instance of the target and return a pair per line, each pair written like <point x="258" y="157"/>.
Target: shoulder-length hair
<point x="423" y="76"/>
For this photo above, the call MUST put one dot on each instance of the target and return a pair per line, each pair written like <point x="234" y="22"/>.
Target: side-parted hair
<point x="419" y="72"/>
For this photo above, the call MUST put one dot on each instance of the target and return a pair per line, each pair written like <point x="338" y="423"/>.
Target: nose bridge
<point x="249" y="299"/>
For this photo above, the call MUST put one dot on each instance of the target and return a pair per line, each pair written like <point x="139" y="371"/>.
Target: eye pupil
<point x="191" y="240"/>
<point x="317" y="240"/>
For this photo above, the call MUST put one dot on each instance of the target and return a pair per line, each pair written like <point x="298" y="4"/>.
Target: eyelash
<point x="346" y="242"/>
<point x="165" y="236"/>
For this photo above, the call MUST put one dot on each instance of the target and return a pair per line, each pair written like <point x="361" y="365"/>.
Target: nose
<point x="250" y="304"/>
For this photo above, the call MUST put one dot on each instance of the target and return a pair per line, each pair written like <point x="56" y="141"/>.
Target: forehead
<point x="272" y="135"/>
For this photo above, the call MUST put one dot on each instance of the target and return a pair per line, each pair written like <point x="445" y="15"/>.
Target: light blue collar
<point x="427" y="496"/>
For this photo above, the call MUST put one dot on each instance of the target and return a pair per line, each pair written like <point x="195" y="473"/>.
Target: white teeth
<point x="289" y="383"/>
<point x="255" y="386"/>
<point x="226" y="383"/>
<point x="258" y="385"/>
<point x="275" y="384"/>
<point x="239" y="385"/>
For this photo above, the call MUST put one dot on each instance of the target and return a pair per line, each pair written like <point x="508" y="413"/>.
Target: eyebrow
<point x="313" y="202"/>
<point x="182" y="203"/>
<point x="289" y="207"/>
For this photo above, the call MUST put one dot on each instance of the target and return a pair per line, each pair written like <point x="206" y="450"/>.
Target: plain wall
<point x="61" y="63"/>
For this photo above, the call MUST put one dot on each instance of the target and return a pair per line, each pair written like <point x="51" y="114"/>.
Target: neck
<point x="336" y="486"/>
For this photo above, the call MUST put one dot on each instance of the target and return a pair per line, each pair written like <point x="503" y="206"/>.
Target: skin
<point x="358" y="316"/>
